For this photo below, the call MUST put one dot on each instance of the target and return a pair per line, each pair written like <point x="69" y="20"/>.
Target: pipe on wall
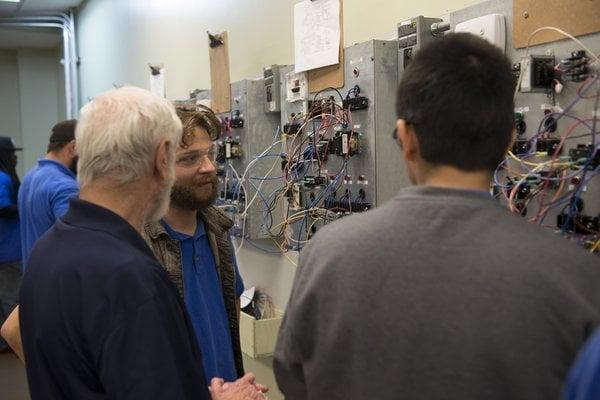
<point x="65" y="23"/>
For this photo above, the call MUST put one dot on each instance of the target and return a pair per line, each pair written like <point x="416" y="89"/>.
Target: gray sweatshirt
<point x="438" y="294"/>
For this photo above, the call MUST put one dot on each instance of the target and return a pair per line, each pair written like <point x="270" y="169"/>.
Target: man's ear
<point x="407" y="140"/>
<point x="72" y="147"/>
<point x="163" y="159"/>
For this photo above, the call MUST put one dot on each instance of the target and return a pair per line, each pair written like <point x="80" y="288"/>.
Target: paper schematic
<point x="317" y="34"/>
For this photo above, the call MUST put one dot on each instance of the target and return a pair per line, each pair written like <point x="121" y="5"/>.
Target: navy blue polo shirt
<point x="100" y="318"/>
<point x="43" y="197"/>
<point x="205" y="304"/>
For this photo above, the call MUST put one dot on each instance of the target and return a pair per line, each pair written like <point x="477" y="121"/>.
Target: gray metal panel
<point x="247" y="97"/>
<point x="260" y="133"/>
<point x="360" y="57"/>
<point x="373" y="66"/>
<point x="422" y="36"/>
<point x="201" y="94"/>
<point x="534" y="101"/>
<point x="390" y="169"/>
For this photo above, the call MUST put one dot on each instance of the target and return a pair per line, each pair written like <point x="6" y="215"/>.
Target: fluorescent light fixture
<point x="11" y="1"/>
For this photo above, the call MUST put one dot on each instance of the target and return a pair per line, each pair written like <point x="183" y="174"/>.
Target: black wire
<point x="328" y="88"/>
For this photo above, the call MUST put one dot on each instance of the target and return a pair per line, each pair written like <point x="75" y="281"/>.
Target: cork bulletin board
<point x="577" y="17"/>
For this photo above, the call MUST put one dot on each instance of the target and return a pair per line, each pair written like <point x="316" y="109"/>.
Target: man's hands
<point x="244" y="388"/>
<point x="10" y="331"/>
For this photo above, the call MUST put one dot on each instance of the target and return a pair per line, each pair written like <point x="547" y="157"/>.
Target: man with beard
<point x="100" y="317"/>
<point x="192" y="243"/>
<point x="46" y="189"/>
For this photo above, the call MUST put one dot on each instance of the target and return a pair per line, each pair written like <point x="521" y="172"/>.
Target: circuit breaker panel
<point x="550" y="176"/>
<point x="246" y="132"/>
<point x="414" y="34"/>
<point x="340" y="157"/>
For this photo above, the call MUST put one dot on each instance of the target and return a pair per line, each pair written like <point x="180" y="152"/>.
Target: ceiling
<point x="33" y="7"/>
<point x="38" y="38"/>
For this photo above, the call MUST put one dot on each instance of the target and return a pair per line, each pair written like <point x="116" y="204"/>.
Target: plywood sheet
<point x="220" y="93"/>
<point x="577" y="17"/>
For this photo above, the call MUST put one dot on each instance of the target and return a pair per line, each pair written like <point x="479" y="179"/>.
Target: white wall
<point x="10" y="119"/>
<point x="31" y="100"/>
<point x="41" y="100"/>
<point x="118" y="38"/>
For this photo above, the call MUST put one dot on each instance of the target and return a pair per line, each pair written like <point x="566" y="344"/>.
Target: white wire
<point x="242" y="187"/>
<point x="555" y="29"/>
<point x="260" y="185"/>
<point x="241" y="181"/>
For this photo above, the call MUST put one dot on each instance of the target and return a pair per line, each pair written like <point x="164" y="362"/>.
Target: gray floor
<point x="13" y="382"/>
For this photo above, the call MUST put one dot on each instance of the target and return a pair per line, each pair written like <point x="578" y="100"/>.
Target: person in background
<point x="43" y="198"/>
<point x="192" y="243"/>
<point x="46" y="189"/>
<point x="100" y="318"/>
<point x="441" y="293"/>
<point x="10" y="238"/>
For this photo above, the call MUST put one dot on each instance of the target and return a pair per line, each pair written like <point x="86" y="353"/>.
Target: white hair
<point x="118" y="134"/>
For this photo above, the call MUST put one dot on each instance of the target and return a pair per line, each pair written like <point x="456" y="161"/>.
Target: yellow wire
<point x="533" y="164"/>
<point x="285" y="253"/>
<point x="596" y="246"/>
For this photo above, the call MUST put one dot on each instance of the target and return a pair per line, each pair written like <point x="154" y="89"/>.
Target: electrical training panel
<point x="340" y="157"/>
<point x="246" y="132"/>
<point x="551" y="175"/>
<point x="291" y="161"/>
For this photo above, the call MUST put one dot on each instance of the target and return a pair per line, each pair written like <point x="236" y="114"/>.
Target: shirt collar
<point x="200" y="231"/>
<point x="56" y="164"/>
<point x="91" y="216"/>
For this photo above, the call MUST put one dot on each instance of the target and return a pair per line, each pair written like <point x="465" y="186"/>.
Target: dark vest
<point x="168" y="253"/>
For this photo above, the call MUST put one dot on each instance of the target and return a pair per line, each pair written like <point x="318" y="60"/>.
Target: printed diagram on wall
<point x="317" y="34"/>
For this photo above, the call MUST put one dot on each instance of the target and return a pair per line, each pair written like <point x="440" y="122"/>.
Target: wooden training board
<point x="577" y="17"/>
<point x="220" y="92"/>
<point x="333" y="75"/>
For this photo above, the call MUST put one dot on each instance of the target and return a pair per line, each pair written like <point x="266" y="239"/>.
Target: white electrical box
<point x="491" y="27"/>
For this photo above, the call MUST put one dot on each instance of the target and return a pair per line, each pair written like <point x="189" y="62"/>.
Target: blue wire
<point x="572" y="207"/>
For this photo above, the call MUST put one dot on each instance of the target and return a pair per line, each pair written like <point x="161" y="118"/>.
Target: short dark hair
<point x="62" y="134"/>
<point x="54" y="147"/>
<point x="457" y="92"/>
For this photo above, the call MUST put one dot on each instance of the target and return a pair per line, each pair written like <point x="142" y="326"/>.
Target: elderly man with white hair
<point x="100" y="318"/>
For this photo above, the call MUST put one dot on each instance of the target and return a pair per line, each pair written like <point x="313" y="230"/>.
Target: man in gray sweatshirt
<point x="441" y="293"/>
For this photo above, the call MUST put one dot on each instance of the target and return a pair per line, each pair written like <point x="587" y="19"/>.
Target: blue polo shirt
<point x="204" y="301"/>
<point x="583" y="382"/>
<point x="100" y="318"/>
<point x="43" y="197"/>
<point x="10" y="237"/>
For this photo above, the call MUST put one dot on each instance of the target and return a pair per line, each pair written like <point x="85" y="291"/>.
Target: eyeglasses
<point x="195" y="157"/>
